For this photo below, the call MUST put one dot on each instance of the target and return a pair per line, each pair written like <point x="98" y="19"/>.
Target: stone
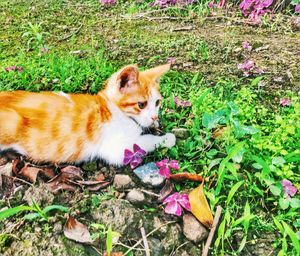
<point x="181" y="133"/>
<point x="149" y="175"/>
<point x="122" y="181"/>
<point x="193" y="229"/>
<point x="135" y="196"/>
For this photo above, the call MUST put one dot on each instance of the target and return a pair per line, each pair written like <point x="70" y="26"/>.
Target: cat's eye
<point x="142" y="105"/>
<point x="157" y="103"/>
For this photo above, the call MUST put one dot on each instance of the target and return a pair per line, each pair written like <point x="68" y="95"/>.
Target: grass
<point x="239" y="135"/>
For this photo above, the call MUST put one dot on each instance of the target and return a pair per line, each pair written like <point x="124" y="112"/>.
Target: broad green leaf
<point x="275" y="190"/>
<point x="278" y="225"/>
<point x="257" y="166"/>
<point x="233" y="191"/>
<point x="13" y="211"/>
<point x="242" y="244"/>
<point x="238" y="157"/>
<point x="278" y="160"/>
<point x="294" y="202"/>
<point x="284" y="203"/>
<point x="210" y="121"/>
<point x="214" y="162"/>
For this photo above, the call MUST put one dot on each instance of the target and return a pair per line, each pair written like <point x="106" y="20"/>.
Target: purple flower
<point x="254" y="9"/>
<point x="171" y="60"/>
<point x="249" y="67"/>
<point x="165" y="165"/>
<point x="135" y="157"/>
<point x="107" y="2"/>
<point x="247" y="46"/>
<point x="182" y="103"/>
<point x="285" y="102"/>
<point x="288" y="188"/>
<point x="297" y="8"/>
<point x="14" y="68"/>
<point x="175" y="203"/>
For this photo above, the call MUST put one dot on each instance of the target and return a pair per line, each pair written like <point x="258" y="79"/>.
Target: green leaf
<point x="211" y="153"/>
<point x="284" y="203"/>
<point x="55" y="207"/>
<point x="238" y="157"/>
<point x="211" y="121"/>
<point x="292" y="236"/>
<point x="278" y="160"/>
<point x="257" y="166"/>
<point x="278" y="225"/>
<point x="13" y="211"/>
<point x="109" y="241"/>
<point x="214" y="162"/>
<point x="275" y="190"/>
<point x="294" y="202"/>
<point x="298" y="235"/>
<point x="233" y="191"/>
<point x="31" y="216"/>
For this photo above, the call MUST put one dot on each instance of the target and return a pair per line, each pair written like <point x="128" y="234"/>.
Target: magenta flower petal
<point x="174" y="164"/>
<point x="184" y="201"/>
<point x="173" y="208"/>
<point x="171" y="198"/>
<point x="246" y="45"/>
<point x="285" y="102"/>
<point x="288" y="188"/>
<point x="165" y="171"/>
<point x="138" y="150"/>
<point x="162" y="163"/>
<point x="182" y="103"/>
<point x="297" y="8"/>
<point x="128" y="155"/>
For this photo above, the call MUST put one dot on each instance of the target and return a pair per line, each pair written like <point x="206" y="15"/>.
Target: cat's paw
<point x="169" y="140"/>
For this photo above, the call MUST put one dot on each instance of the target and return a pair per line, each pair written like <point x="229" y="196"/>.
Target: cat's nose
<point x="154" y="118"/>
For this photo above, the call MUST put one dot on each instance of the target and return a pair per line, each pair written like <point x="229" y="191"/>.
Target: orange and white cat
<point x="60" y="127"/>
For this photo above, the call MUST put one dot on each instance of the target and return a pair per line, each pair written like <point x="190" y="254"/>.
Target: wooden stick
<point x="212" y="231"/>
<point x="150" y="233"/>
<point x="147" y="250"/>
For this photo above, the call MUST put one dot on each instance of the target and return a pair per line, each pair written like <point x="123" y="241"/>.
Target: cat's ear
<point x="156" y="73"/>
<point x="128" y="79"/>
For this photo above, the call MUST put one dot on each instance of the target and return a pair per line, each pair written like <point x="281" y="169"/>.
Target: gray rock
<point x="135" y="196"/>
<point x="122" y="181"/>
<point x="149" y="175"/>
<point x="181" y="133"/>
<point x="193" y="229"/>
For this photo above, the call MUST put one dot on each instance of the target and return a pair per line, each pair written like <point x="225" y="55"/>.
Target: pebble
<point x="193" y="229"/>
<point x="122" y="181"/>
<point x="135" y="196"/>
<point x="149" y="175"/>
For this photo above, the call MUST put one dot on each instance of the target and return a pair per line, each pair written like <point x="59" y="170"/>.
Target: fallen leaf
<point x="183" y="176"/>
<point x="219" y="132"/>
<point x="114" y="254"/>
<point x="17" y="166"/>
<point x="91" y="182"/>
<point x="98" y="186"/>
<point x="29" y="172"/>
<point x="166" y="190"/>
<point x="77" y="231"/>
<point x="56" y="187"/>
<point x="48" y="172"/>
<point x="200" y="207"/>
<point x="71" y="172"/>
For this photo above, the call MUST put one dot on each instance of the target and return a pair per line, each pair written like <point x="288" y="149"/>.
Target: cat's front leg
<point x="150" y="142"/>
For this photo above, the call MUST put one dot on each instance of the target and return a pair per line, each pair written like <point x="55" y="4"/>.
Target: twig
<point x="149" y="193"/>
<point x="147" y="251"/>
<point x="174" y="251"/>
<point x="72" y="34"/>
<point x="212" y="231"/>
<point x="150" y="233"/>
<point x="128" y="247"/>
<point x="186" y="28"/>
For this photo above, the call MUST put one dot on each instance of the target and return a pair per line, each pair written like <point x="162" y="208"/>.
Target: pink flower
<point x="14" y="68"/>
<point x="182" y="103"/>
<point x="247" y="46"/>
<point x="297" y="8"/>
<point x="165" y="165"/>
<point x="285" y="102"/>
<point x="175" y="203"/>
<point x="135" y="157"/>
<point x="249" y="67"/>
<point x="171" y="60"/>
<point x="288" y="188"/>
<point x="107" y="2"/>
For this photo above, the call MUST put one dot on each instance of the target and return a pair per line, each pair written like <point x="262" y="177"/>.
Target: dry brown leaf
<point x="77" y="231"/>
<point x="56" y="187"/>
<point x="98" y="186"/>
<point x="183" y="176"/>
<point x="71" y="172"/>
<point x="48" y="172"/>
<point x="166" y="190"/>
<point x="219" y="132"/>
<point x="114" y="254"/>
<point x="30" y="173"/>
<point x="200" y="207"/>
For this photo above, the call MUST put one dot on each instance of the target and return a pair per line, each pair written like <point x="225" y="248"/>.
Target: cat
<point x="75" y="128"/>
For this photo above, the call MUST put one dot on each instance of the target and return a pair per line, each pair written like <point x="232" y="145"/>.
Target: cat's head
<point x="137" y="93"/>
